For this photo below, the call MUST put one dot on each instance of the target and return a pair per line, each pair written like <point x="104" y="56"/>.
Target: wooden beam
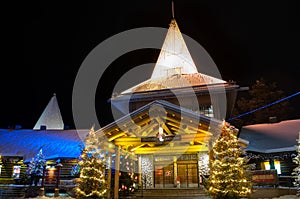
<point x="172" y="150"/>
<point x="127" y="141"/>
<point x="116" y="136"/>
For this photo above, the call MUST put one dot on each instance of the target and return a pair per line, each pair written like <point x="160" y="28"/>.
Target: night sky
<point x="46" y="44"/>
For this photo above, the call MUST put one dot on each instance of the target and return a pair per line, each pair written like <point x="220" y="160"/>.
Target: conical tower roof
<point x="51" y="117"/>
<point x="174" y="57"/>
<point x="175" y="67"/>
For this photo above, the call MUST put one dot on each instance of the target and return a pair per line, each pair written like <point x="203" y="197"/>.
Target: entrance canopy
<point x="163" y="128"/>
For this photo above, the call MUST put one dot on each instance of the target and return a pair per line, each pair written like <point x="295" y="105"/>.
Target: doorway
<point x="164" y="176"/>
<point x="188" y="174"/>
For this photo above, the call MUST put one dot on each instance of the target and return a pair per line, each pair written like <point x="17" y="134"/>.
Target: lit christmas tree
<point x="296" y="171"/>
<point x="91" y="183"/>
<point x="230" y="176"/>
<point x="36" y="167"/>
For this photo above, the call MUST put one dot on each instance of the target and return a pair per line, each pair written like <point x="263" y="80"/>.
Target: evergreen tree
<point x="230" y="176"/>
<point x="260" y="94"/>
<point x="296" y="171"/>
<point x="91" y="183"/>
<point x="127" y="179"/>
<point x="36" y="167"/>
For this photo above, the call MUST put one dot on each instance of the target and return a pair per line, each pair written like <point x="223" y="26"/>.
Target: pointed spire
<point x="51" y="116"/>
<point x="174" y="57"/>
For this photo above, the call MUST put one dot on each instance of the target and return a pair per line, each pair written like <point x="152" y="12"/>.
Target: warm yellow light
<point x="277" y="166"/>
<point x="267" y="165"/>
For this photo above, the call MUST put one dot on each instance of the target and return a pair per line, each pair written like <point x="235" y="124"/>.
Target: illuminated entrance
<point x="188" y="174"/>
<point x="185" y="169"/>
<point x="165" y="141"/>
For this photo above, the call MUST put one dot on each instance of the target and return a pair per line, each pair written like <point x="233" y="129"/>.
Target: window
<point x="16" y="172"/>
<point x="267" y="165"/>
<point x="277" y="166"/>
<point x="206" y="110"/>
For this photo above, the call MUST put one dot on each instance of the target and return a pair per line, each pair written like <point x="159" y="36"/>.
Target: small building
<point x="273" y="146"/>
<point x="19" y="146"/>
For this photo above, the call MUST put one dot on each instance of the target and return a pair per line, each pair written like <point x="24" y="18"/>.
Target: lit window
<point x="16" y="172"/>
<point x="0" y="169"/>
<point x="267" y="165"/>
<point x="277" y="166"/>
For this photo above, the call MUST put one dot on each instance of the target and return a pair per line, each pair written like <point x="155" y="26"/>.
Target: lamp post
<point x="56" y="192"/>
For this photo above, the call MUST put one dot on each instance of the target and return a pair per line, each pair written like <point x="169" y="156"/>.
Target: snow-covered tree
<point x="91" y="183"/>
<point x="230" y="176"/>
<point x="296" y="171"/>
<point x="36" y="167"/>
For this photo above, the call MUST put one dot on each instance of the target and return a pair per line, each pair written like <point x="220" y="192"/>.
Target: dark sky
<point x="45" y="44"/>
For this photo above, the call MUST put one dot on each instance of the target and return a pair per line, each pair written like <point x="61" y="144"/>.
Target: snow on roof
<point x="272" y="137"/>
<point x="55" y="143"/>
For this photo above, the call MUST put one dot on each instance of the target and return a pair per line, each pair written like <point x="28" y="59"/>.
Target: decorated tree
<point x="230" y="176"/>
<point x="127" y="179"/>
<point x="296" y="171"/>
<point x="36" y="167"/>
<point x="91" y="183"/>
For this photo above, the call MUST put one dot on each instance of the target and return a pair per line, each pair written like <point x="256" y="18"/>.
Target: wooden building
<point x="273" y="146"/>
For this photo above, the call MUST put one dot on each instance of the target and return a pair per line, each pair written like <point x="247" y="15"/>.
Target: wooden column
<point x="175" y="170"/>
<point x="56" y="191"/>
<point x="109" y="176"/>
<point x="117" y="170"/>
<point x="42" y="189"/>
<point x="140" y="170"/>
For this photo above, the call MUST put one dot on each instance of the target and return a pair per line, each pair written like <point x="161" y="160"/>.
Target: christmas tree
<point x="230" y="176"/>
<point x="91" y="183"/>
<point x="296" y="171"/>
<point x="36" y="167"/>
<point x="127" y="179"/>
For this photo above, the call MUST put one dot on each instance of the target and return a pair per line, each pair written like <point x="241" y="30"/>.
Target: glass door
<point x="188" y="174"/>
<point x="164" y="176"/>
<point x="158" y="177"/>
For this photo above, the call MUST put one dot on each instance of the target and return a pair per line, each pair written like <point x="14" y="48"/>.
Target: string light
<point x="228" y="171"/>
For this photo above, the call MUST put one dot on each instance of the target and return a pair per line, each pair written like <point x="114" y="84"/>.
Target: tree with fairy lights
<point x="36" y="167"/>
<point x="296" y="171"/>
<point x="230" y="176"/>
<point x="91" y="183"/>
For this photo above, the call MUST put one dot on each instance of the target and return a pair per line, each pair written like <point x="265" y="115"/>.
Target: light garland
<point x="229" y="174"/>
<point x="91" y="183"/>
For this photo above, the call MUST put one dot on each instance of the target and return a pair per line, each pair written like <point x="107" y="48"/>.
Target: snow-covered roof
<point x="272" y="137"/>
<point x="28" y="142"/>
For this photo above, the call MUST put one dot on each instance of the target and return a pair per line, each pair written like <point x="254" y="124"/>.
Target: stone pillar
<point x="117" y="170"/>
